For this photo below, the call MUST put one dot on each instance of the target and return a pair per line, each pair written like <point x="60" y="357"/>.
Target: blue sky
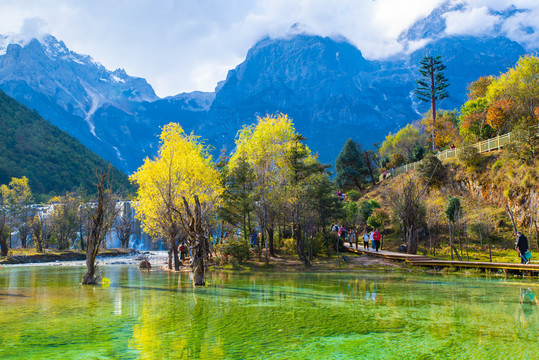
<point x="186" y="45"/>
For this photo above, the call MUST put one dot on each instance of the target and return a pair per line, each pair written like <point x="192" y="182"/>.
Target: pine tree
<point x="238" y="197"/>
<point x="351" y="171"/>
<point x="432" y="85"/>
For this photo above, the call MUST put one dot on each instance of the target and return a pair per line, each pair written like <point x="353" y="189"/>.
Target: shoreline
<point x="78" y="258"/>
<point x="159" y="260"/>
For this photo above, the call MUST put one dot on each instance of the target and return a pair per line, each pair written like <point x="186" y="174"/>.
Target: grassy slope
<point x="52" y="160"/>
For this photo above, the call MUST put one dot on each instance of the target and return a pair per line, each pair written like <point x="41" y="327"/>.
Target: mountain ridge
<point x="324" y="84"/>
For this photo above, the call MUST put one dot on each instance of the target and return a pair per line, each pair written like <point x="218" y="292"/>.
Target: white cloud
<point x="186" y="45"/>
<point x="523" y="28"/>
<point x="471" y="21"/>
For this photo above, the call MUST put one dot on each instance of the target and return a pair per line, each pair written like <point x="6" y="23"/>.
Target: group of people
<point x="340" y="195"/>
<point x="344" y="233"/>
<point x="374" y="237"/>
<point x="350" y="235"/>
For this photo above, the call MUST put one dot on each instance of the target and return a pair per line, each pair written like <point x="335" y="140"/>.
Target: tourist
<point x="351" y="235"/>
<point x="182" y="251"/>
<point x="372" y="239"/>
<point x="376" y="238"/>
<point x="342" y="232"/>
<point x="335" y="228"/>
<point x="366" y="240"/>
<point x="522" y="245"/>
<point x="253" y="239"/>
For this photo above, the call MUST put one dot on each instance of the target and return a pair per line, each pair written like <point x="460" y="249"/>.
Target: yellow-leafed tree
<point x="176" y="190"/>
<point x="265" y="146"/>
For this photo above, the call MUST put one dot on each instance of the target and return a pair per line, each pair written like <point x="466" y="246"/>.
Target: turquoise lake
<point x="46" y="314"/>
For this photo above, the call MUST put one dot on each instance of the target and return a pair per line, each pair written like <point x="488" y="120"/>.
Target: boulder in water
<point x="145" y="265"/>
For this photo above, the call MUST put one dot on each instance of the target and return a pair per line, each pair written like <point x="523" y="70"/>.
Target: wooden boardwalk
<point x="423" y="260"/>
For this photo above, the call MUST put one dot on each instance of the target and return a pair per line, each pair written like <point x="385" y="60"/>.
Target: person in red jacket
<point x="376" y="238"/>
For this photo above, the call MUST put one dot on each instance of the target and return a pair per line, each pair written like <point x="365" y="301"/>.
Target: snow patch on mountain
<point x="96" y="101"/>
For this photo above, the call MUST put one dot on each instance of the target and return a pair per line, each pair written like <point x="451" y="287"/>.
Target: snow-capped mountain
<point x="325" y="84"/>
<point x="68" y="88"/>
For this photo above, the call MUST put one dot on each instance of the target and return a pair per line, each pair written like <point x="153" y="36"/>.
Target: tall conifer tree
<point x="351" y="171"/>
<point x="432" y="85"/>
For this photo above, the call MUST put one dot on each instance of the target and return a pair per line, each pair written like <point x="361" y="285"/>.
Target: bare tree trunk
<point x="169" y="252"/>
<point x="457" y="253"/>
<point x="270" y="240"/>
<point x="91" y="252"/>
<point x="3" y="245"/>
<point x="467" y="243"/>
<point x="411" y="240"/>
<point x="450" y="241"/>
<point x="101" y="220"/>
<point x="488" y="241"/>
<point x="460" y="240"/>
<point x="176" y="258"/>
<point x="512" y="218"/>
<point x="481" y="235"/>
<point x="198" y="241"/>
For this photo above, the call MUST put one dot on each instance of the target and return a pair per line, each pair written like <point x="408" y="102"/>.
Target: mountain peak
<point x="11" y="39"/>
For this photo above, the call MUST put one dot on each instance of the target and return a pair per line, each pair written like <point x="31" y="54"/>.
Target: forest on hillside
<point x="53" y="161"/>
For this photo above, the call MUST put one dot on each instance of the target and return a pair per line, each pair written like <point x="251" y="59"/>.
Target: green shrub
<point x="353" y="195"/>
<point x="469" y="155"/>
<point x="431" y="170"/>
<point x="318" y="243"/>
<point x="366" y="208"/>
<point x="497" y="165"/>
<point x="238" y="249"/>
<point x="378" y="219"/>
<point x="289" y="246"/>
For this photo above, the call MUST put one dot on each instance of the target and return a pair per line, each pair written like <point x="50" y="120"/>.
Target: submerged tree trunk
<point x="176" y="258"/>
<point x="199" y="243"/>
<point x="91" y="252"/>
<point x="101" y="220"/>
<point x="169" y="252"/>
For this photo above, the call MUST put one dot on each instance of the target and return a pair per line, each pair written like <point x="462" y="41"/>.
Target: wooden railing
<point x="484" y="146"/>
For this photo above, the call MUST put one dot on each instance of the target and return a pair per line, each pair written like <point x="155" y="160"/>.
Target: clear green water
<point x="45" y="314"/>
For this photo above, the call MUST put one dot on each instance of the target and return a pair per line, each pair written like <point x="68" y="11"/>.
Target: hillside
<point x="53" y="161"/>
<point x="486" y="191"/>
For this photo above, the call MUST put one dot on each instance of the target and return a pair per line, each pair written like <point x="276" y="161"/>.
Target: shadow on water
<point x="13" y="295"/>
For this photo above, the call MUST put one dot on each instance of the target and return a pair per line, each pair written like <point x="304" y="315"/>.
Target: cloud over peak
<point x="186" y="45"/>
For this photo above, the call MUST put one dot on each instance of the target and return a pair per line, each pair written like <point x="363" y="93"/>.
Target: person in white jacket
<point x="365" y="240"/>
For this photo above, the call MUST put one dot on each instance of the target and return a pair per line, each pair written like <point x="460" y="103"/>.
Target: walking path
<point x="422" y="260"/>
